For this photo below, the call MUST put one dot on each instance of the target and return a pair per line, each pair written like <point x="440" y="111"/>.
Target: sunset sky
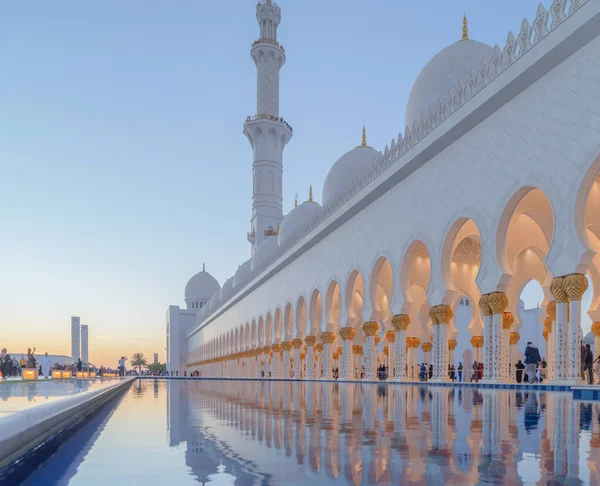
<point x="124" y="167"/>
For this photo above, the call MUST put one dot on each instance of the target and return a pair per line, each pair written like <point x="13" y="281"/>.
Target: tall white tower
<point x="267" y="132"/>
<point x="75" y="338"/>
<point x="85" y="356"/>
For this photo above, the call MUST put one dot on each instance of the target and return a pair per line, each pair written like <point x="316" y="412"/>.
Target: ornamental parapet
<point x="268" y="41"/>
<point x="277" y="119"/>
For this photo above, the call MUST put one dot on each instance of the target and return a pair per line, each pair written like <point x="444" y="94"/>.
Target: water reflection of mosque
<point x="365" y="434"/>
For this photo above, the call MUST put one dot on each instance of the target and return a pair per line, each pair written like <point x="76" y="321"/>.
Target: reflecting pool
<point x="15" y="397"/>
<point x="252" y="432"/>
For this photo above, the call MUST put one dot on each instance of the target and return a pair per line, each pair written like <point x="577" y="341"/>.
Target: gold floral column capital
<point x="433" y="315"/>
<point x="370" y="328"/>
<point x="508" y="320"/>
<point x="327" y="337"/>
<point x="386" y="350"/>
<point x="377" y="339"/>
<point x="391" y="336"/>
<point x="514" y="337"/>
<point x="545" y="334"/>
<point x="400" y="322"/>
<point x="451" y="344"/>
<point x="596" y="328"/>
<point x="266" y="349"/>
<point x="310" y="340"/>
<point x="426" y="347"/>
<point x="319" y="347"/>
<point x="444" y="314"/>
<point x="548" y="323"/>
<point x="276" y="347"/>
<point x="484" y="305"/>
<point x="339" y="350"/>
<point x="347" y="333"/>
<point x="551" y="309"/>
<point x="357" y="349"/>
<point x="575" y="285"/>
<point x="557" y="289"/>
<point x="286" y="345"/>
<point x="498" y="302"/>
<point x="477" y="341"/>
<point x="297" y="343"/>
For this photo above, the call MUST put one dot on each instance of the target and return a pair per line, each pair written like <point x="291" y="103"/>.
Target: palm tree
<point x="138" y="360"/>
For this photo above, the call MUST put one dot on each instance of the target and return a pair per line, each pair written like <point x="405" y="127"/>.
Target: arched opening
<point x="269" y="330"/>
<point x="261" y="331"/>
<point x="415" y="277"/>
<point x="332" y="307"/>
<point x="316" y="311"/>
<point x="288" y="322"/>
<point x="277" y="326"/>
<point x="301" y="319"/>
<point x="253" y="339"/>
<point x="381" y="287"/>
<point x="247" y="336"/>
<point x="461" y="260"/>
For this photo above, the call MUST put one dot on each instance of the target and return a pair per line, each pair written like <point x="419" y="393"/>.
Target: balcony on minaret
<point x="252" y="237"/>
<point x="268" y="15"/>
<point x="272" y="118"/>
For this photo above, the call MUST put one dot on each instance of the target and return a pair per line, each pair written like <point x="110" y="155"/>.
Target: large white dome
<point x="442" y="74"/>
<point x="227" y="289"/>
<point x="346" y="170"/>
<point x="294" y="221"/>
<point x="264" y="253"/>
<point x="201" y="287"/>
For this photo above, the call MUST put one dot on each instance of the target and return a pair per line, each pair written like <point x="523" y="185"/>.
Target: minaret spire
<point x="266" y="131"/>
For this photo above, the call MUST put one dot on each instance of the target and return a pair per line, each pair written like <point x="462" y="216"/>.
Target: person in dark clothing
<point x="79" y="364"/>
<point x="582" y="359"/>
<point x="460" y="370"/>
<point x="430" y="371"/>
<point x="589" y="362"/>
<point x="532" y="359"/>
<point x="520" y="367"/>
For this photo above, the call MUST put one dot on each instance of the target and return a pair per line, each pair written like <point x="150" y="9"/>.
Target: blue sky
<point x="123" y="162"/>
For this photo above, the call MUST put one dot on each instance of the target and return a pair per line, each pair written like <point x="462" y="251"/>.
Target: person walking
<point x="589" y="363"/>
<point x="79" y="365"/>
<point x="532" y="359"/>
<point x="423" y="372"/>
<point x="582" y="358"/>
<point x="475" y="374"/>
<point x="460" y="370"/>
<point x="30" y="358"/>
<point x="520" y="367"/>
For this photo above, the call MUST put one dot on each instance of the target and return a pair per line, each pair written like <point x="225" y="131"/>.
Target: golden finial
<point x="204" y="267"/>
<point x="296" y="201"/>
<point x="310" y="199"/>
<point x="364" y="137"/>
<point x="465" y="28"/>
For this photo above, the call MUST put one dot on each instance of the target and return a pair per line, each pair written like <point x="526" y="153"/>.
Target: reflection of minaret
<point x="266" y="131"/>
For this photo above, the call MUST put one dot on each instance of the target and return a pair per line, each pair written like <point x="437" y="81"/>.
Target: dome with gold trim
<point x="297" y="218"/>
<point x="443" y="73"/>
<point x="347" y="169"/>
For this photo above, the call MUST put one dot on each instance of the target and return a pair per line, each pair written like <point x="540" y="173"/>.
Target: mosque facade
<point x="494" y="182"/>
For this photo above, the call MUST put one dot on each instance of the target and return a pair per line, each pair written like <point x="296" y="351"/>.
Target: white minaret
<point x="84" y="344"/>
<point x="267" y="132"/>
<point x="75" y="338"/>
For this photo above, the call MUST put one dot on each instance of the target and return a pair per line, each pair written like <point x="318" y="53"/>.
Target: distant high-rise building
<point x="84" y="344"/>
<point x="155" y="357"/>
<point x="75" y="338"/>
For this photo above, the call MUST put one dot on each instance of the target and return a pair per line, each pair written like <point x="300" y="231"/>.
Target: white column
<point x="440" y="316"/>
<point x="328" y="338"/>
<point x="347" y="334"/>
<point x="575" y="285"/>
<point x="400" y="323"/>
<point x="266" y="351"/>
<point x="310" y="357"/>
<point x="508" y="321"/>
<point x="369" y="329"/>
<point x="297" y="344"/>
<point x="276" y="363"/>
<point x="484" y="305"/>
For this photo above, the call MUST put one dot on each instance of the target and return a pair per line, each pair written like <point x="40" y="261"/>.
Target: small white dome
<point x="264" y="253"/>
<point x="214" y="302"/>
<point x="295" y="220"/>
<point x="201" y="287"/>
<point x="242" y="274"/>
<point x="346" y="170"/>
<point x="442" y="74"/>
<point x="227" y="289"/>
